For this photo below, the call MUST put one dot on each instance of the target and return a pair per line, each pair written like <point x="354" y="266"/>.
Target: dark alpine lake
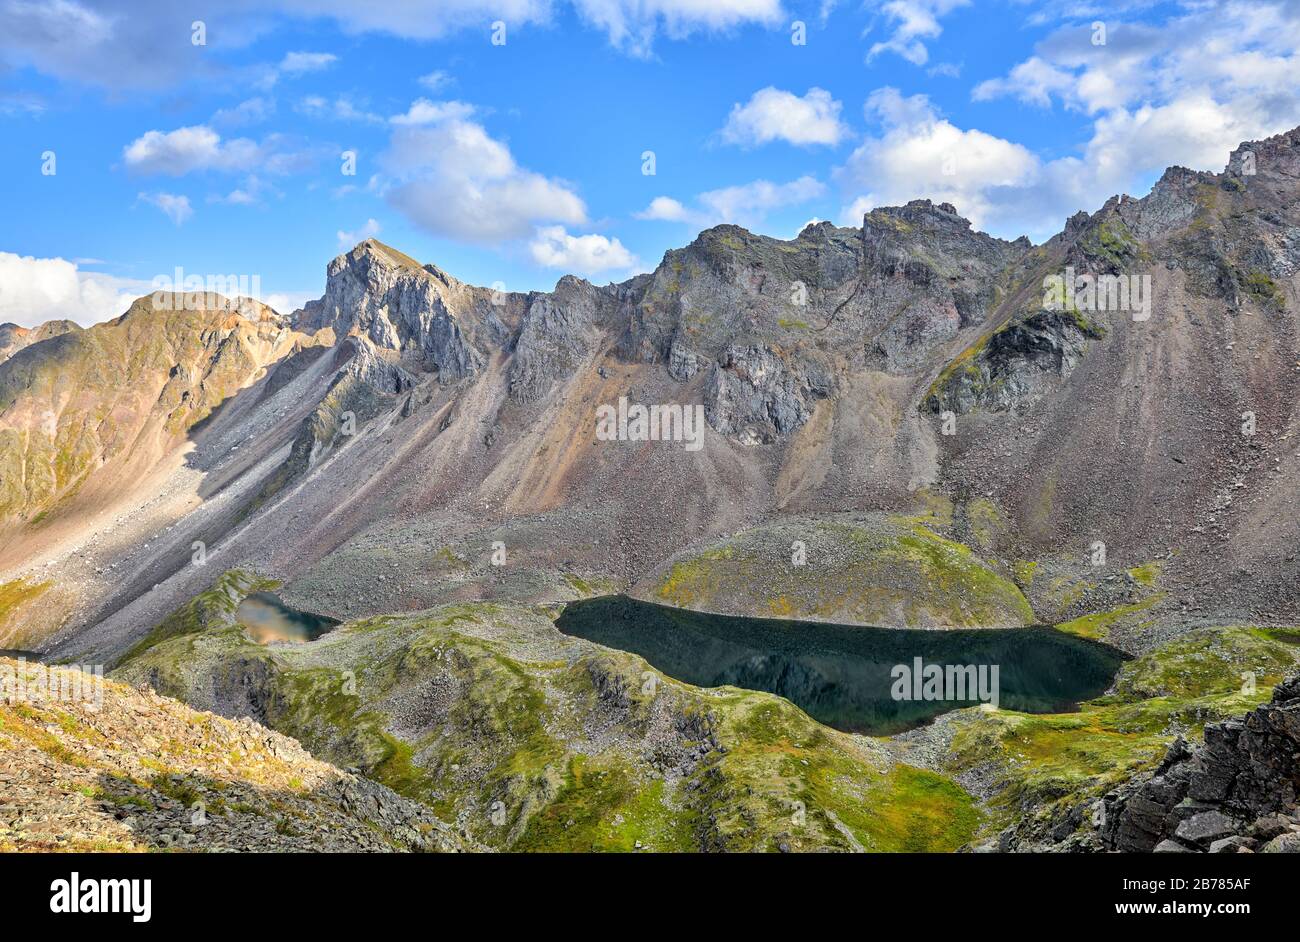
<point x="269" y="619"/>
<point x="846" y="675"/>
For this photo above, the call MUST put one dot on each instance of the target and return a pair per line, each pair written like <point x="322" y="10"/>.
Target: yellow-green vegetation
<point x="986" y="521"/>
<point x="1112" y="241"/>
<point x="18" y="593"/>
<point x="1097" y="626"/>
<point x="1046" y="764"/>
<point x="888" y="220"/>
<point x="782" y="765"/>
<point x="212" y="608"/>
<point x="1264" y="288"/>
<point x="587" y="586"/>
<point x="963" y="363"/>
<point x="971" y="368"/>
<point x="933" y="510"/>
<point x="537" y="741"/>
<point x="1147" y="574"/>
<point x="894" y="572"/>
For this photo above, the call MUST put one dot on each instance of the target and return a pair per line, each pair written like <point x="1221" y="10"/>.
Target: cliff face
<point x="378" y="293"/>
<point x="1235" y="791"/>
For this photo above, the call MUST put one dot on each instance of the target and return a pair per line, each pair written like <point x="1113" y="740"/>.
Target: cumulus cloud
<point x="912" y="22"/>
<point x="176" y="208"/>
<point x="747" y="204"/>
<point x="554" y="247"/>
<point x="920" y="153"/>
<point x="347" y="240"/>
<point x="423" y="111"/>
<point x="199" y="148"/>
<point x="451" y="177"/>
<point x="1185" y="91"/>
<point x="665" y="209"/>
<point x="176" y="153"/>
<point x="775" y="115"/>
<point x="36" y="290"/>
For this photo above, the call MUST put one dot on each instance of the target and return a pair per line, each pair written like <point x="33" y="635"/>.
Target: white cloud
<point x="92" y="41"/>
<point x="252" y="111"/>
<point x="252" y="191"/>
<point x="96" y="42"/>
<point x="286" y="302"/>
<point x="187" y="149"/>
<point x="553" y="247"/>
<point x="746" y="205"/>
<point x="299" y="63"/>
<point x="1232" y="50"/>
<point x="920" y="154"/>
<point x="423" y="111"/>
<point x="1185" y="91"/>
<point x="199" y="148"/>
<point x="665" y="209"/>
<point x="772" y="115"/>
<point x="349" y="239"/>
<point x="36" y="290"/>
<point x="435" y="80"/>
<point x="913" y="21"/>
<point x="176" y="208"/>
<point x="454" y="179"/>
<point x="749" y="203"/>
<point x="1033" y="81"/>
<point x="341" y="108"/>
<point x="632" y="25"/>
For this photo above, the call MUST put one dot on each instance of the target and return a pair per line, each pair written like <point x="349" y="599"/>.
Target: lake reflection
<point x="841" y="674"/>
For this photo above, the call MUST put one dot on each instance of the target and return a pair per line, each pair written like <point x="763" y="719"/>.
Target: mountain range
<point x="906" y="425"/>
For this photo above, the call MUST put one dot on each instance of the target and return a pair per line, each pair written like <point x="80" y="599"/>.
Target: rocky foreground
<point x="1234" y="793"/>
<point x="140" y="772"/>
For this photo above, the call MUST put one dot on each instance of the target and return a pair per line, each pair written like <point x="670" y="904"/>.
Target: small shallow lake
<point x="848" y="676"/>
<point x="268" y="619"/>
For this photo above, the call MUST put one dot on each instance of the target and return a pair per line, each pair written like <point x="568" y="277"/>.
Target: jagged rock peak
<point x="388" y="297"/>
<point x="1279" y="155"/>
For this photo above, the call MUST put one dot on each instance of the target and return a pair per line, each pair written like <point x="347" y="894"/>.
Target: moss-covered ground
<point x="530" y="740"/>
<point x="1046" y="764"/>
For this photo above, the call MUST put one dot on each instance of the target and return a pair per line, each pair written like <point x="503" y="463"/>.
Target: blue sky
<point x="517" y="162"/>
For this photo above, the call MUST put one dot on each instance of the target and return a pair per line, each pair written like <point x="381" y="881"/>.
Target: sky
<point x="512" y="142"/>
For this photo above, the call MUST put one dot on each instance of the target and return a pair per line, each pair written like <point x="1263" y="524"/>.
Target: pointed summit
<point x="374" y="250"/>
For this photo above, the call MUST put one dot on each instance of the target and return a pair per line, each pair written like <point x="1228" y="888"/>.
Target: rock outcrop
<point x="379" y="293"/>
<point x="1238" y="790"/>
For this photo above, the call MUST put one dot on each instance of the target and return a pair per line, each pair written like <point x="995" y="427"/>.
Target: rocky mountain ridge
<point x="453" y="417"/>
